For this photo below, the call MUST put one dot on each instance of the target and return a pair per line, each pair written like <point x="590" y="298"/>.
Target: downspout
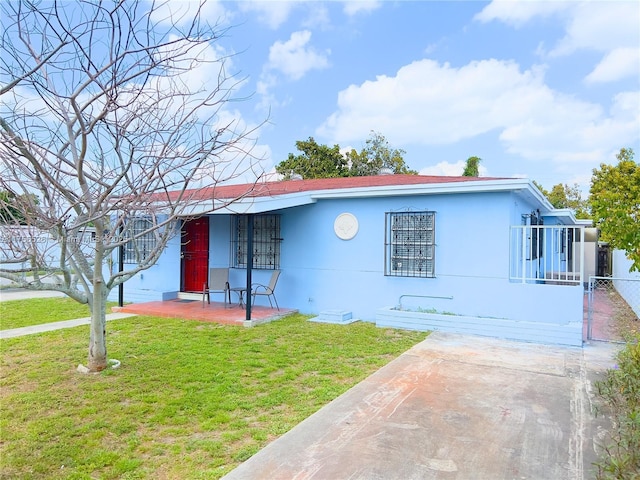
<point x="249" y="263"/>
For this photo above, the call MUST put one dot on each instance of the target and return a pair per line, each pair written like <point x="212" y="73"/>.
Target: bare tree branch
<point x="108" y="115"/>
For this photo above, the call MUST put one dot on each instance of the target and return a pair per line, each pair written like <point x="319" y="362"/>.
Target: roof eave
<point x="261" y="204"/>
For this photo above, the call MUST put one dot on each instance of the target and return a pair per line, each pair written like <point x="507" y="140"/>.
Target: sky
<point x="539" y="89"/>
<point x="546" y="90"/>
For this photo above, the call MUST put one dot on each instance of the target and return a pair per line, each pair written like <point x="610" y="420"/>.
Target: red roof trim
<point x="272" y="189"/>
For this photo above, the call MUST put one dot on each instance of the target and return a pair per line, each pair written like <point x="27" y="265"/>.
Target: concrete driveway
<point x="453" y="407"/>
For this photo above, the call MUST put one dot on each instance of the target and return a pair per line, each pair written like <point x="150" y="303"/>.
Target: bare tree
<point x="112" y="115"/>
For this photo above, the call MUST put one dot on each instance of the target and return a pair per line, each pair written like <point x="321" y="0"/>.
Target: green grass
<point x="35" y="311"/>
<point x="191" y="400"/>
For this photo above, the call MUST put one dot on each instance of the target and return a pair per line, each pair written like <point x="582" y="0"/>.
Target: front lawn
<point x="191" y="400"/>
<point x="35" y="311"/>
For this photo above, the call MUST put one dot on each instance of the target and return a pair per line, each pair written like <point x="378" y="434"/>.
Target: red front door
<point x="195" y="254"/>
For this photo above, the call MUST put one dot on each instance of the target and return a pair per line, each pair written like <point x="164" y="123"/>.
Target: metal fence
<point x="613" y="308"/>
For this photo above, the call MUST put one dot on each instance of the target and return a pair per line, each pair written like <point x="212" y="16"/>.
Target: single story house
<point x="488" y="256"/>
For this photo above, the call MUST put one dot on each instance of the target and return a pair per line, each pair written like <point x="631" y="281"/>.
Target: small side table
<point x="240" y="291"/>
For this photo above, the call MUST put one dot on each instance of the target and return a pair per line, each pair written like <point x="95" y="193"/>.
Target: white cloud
<point x="616" y="65"/>
<point x="517" y="14"/>
<point x="273" y="14"/>
<point x="264" y="89"/>
<point x="430" y="103"/>
<point x="600" y="26"/>
<point x="444" y="168"/>
<point x="355" y="7"/>
<point x="244" y="159"/>
<point x="574" y="131"/>
<point x="317" y="16"/>
<point x="608" y="27"/>
<point x="183" y="11"/>
<point x="583" y="181"/>
<point x="195" y="64"/>
<point x="295" y="57"/>
<point x="450" y="169"/>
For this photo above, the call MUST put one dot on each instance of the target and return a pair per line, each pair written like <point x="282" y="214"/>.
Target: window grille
<point x="141" y="243"/>
<point x="410" y="244"/>
<point x="266" y="242"/>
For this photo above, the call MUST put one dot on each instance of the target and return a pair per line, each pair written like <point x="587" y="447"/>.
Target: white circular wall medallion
<point x="346" y="226"/>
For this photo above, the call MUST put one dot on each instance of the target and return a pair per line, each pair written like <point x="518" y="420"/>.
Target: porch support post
<point x="121" y="266"/>
<point x="249" y="264"/>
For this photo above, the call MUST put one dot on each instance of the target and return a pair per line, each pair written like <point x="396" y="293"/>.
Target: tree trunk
<point x="98" y="337"/>
<point x="98" y="305"/>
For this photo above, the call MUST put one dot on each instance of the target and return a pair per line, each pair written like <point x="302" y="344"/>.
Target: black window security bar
<point x="410" y="244"/>
<point x="141" y="244"/>
<point x="266" y="242"/>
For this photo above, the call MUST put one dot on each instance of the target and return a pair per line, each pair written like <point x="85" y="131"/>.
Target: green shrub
<point x="620" y="390"/>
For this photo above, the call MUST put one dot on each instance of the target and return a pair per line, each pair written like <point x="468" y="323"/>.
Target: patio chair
<point x="218" y="283"/>
<point x="268" y="290"/>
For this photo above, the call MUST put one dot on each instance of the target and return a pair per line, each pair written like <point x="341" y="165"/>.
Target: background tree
<point x="563" y="195"/>
<point x="471" y="168"/>
<point x="615" y="204"/>
<point x="376" y="157"/>
<point x="543" y="190"/>
<point x="104" y="117"/>
<point x="12" y="207"/>
<point x="321" y="161"/>
<point x="315" y="161"/>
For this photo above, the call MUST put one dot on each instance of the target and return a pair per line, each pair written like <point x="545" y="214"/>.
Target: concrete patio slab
<point x="216" y="312"/>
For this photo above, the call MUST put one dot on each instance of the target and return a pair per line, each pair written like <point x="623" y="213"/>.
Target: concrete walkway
<point x="453" y="407"/>
<point x="20" y="294"/>
<point x="7" y="294"/>
<point x="49" y="327"/>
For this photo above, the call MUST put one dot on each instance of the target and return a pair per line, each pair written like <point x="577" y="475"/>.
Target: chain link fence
<point x="613" y="308"/>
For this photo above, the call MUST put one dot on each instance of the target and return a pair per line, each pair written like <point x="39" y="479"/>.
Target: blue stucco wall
<point x="325" y="272"/>
<point x="321" y="272"/>
<point x="159" y="282"/>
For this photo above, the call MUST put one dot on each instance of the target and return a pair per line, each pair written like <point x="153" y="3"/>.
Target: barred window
<point x="410" y="244"/>
<point x="141" y="242"/>
<point x="266" y="242"/>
